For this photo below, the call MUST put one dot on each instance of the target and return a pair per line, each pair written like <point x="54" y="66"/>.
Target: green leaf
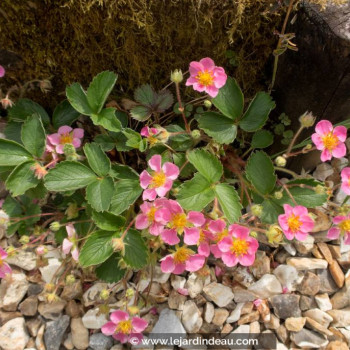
<point x="145" y="95"/>
<point x="33" y="135"/>
<point x="97" y="159"/>
<point x="196" y="193"/>
<point x="303" y="196"/>
<point x="180" y="159"/>
<point x="257" y="113"/>
<point x="78" y="99"/>
<point x="271" y="210"/>
<point x="97" y="248"/>
<point x="126" y="193"/>
<point x="68" y="176"/>
<point x="108" y="221"/>
<point x="181" y="142"/>
<point x="107" y="119"/>
<point x="22" y="179"/>
<point x="119" y="171"/>
<point x="219" y="127"/>
<point x="260" y="172"/>
<point x="163" y="101"/>
<point x="206" y="163"/>
<point x="106" y="142"/>
<point x="13" y="131"/>
<point x="12" y="153"/>
<point x="64" y="114"/>
<point x="262" y="139"/>
<point x="24" y="107"/>
<point x="229" y="100"/>
<point x="99" y="193"/>
<point x="133" y="138"/>
<point x="110" y="271"/>
<point x="12" y="207"/>
<point x="140" y="113"/>
<point x="229" y="201"/>
<point x="136" y="252"/>
<point x="99" y="89"/>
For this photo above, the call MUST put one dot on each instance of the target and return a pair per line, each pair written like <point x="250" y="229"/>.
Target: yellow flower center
<point x="152" y="140"/>
<point x="220" y="235"/>
<point x="294" y="223"/>
<point x="330" y="141"/>
<point x="124" y="327"/>
<point x="151" y="213"/>
<point x="239" y="247"/>
<point x="179" y="221"/>
<point x="205" y="78"/>
<point x="158" y="179"/>
<point x="66" y="138"/>
<point x="181" y="255"/>
<point x="345" y="225"/>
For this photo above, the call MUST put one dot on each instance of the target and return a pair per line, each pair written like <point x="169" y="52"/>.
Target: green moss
<point x="142" y="40"/>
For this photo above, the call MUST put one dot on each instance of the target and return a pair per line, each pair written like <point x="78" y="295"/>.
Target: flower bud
<point x="176" y="76"/>
<point x="133" y="310"/>
<point x="52" y="297"/>
<point x="104" y="294"/>
<point x="4" y="218"/>
<point x="129" y="293"/>
<point x="281" y="161"/>
<point x="319" y="189"/>
<point x="118" y="245"/>
<point x="256" y="210"/>
<point x="207" y="104"/>
<point x="274" y="234"/>
<point x="6" y="102"/>
<point x="196" y="134"/>
<point x="24" y="239"/>
<point x="253" y="234"/>
<point x="55" y="226"/>
<point x="49" y="287"/>
<point x="307" y="120"/>
<point x="70" y="279"/>
<point x="11" y="250"/>
<point x="278" y="194"/>
<point x="41" y="250"/>
<point x="163" y="134"/>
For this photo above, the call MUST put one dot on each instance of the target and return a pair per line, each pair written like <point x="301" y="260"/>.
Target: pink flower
<point x="160" y="181"/>
<point x="4" y="268"/>
<point x="238" y="247"/>
<point x="343" y="228"/>
<point x="345" y="177"/>
<point x="205" y="237"/>
<point x="148" y="219"/>
<point x="150" y="134"/>
<point x="66" y="135"/>
<point x="50" y="156"/>
<point x="2" y="71"/>
<point x="329" y="140"/>
<point x="123" y="328"/>
<point x="178" y="222"/>
<point x="296" y="222"/>
<point x="218" y="271"/>
<point x="70" y="243"/>
<point x="182" y="259"/>
<point x="205" y="76"/>
<point x="219" y="232"/>
<point x="182" y="291"/>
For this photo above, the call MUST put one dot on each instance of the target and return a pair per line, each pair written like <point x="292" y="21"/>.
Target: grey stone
<point x="319" y="316"/>
<point x="55" y="331"/>
<point x="168" y="322"/>
<point x="53" y="310"/>
<point x="309" y="339"/>
<point x="327" y="283"/>
<point x="24" y="260"/>
<point x="288" y="276"/>
<point x="35" y="289"/>
<point x="29" y="306"/>
<point x="99" y="341"/>
<point x="244" y="295"/>
<point x="266" y="287"/>
<point x="94" y="319"/>
<point x="218" y="293"/>
<point x="286" y="305"/>
<point x="47" y="272"/>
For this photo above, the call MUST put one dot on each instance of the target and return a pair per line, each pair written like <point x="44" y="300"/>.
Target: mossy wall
<point x="141" y="40"/>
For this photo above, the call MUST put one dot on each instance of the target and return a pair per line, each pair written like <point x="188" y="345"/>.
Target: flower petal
<point x="340" y="132"/>
<point x="195" y="262"/>
<point x="167" y="264"/>
<point x="324" y="127"/>
<point x="170" y="237"/>
<point x="171" y="170"/>
<point x="155" y="163"/>
<point x="141" y="221"/>
<point x="66" y="246"/>
<point x="78" y="133"/>
<point x="149" y="194"/>
<point x="117" y="316"/>
<point x="65" y="129"/>
<point x="145" y="179"/>
<point x="108" y="328"/>
<point x="139" y="324"/>
<point x="191" y="236"/>
<point x="229" y="259"/>
<point x="339" y="151"/>
<point x="54" y="139"/>
<point x="207" y="63"/>
<point x="225" y="244"/>
<point x="196" y="218"/>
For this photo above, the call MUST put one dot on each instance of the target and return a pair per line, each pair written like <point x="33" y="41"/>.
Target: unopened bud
<point x="307" y="120"/>
<point x="278" y="194"/>
<point x="41" y="250"/>
<point x="253" y="234"/>
<point x="274" y="234"/>
<point x="24" y="239"/>
<point x="176" y="76"/>
<point x="133" y="310"/>
<point x="11" y="250"/>
<point x="196" y="134"/>
<point x="55" y="226"/>
<point x="207" y="104"/>
<point x="70" y="279"/>
<point x="257" y="210"/>
<point x="281" y="161"/>
<point x="118" y="245"/>
<point x="6" y="102"/>
<point x="129" y="293"/>
<point x="104" y="294"/>
<point x="308" y="146"/>
<point x="49" y="287"/>
<point x="39" y="171"/>
<point x="52" y="297"/>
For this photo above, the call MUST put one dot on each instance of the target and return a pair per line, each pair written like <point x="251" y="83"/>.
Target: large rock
<point x="12" y="290"/>
<point x="94" y="319"/>
<point x="307" y="263"/>
<point x="288" y="276"/>
<point x="286" y="305"/>
<point x="13" y="335"/>
<point x="55" y="331"/>
<point x="52" y="311"/>
<point x="218" y="293"/>
<point x="24" y="260"/>
<point x="319" y="316"/>
<point x="80" y="334"/>
<point x="29" y="306"/>
<point x="191" y="317"/>
<point x="47" y="272"/>
<point x="266" y="287"/>
<point x="309" y="339"/>
<point x="341" y="318"/>
<point x="168" y="322"/>
<point x="99" y="341"/>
